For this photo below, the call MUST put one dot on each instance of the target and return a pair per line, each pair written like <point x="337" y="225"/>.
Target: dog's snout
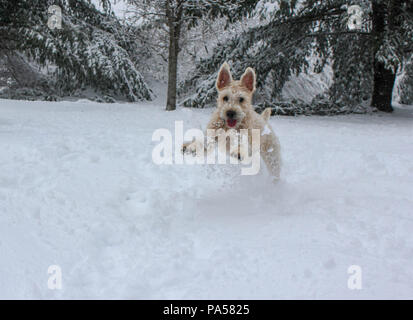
<point x="231" y="114"/>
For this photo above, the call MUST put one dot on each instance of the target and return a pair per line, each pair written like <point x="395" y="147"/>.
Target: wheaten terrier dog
<point x="235" y="112"/>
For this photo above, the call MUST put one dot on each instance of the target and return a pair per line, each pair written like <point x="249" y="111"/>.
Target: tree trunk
<point x="172" y="70"/>
<point x="174" y="25"/>
<point x="383" y="87"/>
<point x="384" y="79"/>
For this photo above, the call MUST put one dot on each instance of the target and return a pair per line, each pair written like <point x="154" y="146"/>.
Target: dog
<point x="235" y="112"/>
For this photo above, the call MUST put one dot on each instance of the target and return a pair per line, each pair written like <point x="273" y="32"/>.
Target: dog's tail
<point x="266" y="114"/>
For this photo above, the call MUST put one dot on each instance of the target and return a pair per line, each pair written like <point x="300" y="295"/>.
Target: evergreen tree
<point x="177" y="16"/>
<point x="364" y="60"/>
<point x="406" y="84"/>
<point x="90" y="50"/>
<point x="392" y="33"/>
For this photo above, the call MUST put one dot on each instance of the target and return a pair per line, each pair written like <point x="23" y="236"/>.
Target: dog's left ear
<point x="248" y="79"/>
<point x="224" y="77"/>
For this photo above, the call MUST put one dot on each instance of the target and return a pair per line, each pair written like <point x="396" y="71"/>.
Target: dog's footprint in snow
<point x="332" y="227"/>
<point x="94" y="158"/>
<point x="137" y="202"/>
<point x="329" y="264"/>
<point x="307" y="273"/>
<point x="8" y="181"/>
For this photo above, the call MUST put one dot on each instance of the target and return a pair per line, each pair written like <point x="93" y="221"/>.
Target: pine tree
<point x="89" y="51"/>
<point x="392" y="33"/>
<point x="177" y="16"/>
<point x="406" y="84"/>
<point x="364" y="59"/>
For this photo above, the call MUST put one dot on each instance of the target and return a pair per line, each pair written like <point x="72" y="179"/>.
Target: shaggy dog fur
<point x="235" y="112"/>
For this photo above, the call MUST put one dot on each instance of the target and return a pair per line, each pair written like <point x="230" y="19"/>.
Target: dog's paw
<point x="184" y="148"/>
<point x="190" y="148"/>
<point x="237" y="155"/>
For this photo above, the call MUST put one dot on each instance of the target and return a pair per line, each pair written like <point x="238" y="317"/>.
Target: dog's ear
<point x="248" y="79"/>
<point x="224" y="77"/>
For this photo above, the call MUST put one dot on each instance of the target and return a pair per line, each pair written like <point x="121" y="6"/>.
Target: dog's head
<point x="234" y="96"/>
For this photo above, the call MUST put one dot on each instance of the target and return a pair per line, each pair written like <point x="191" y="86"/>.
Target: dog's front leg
<point x="186" y="147"/>
<point x="242" y="146"/>
<point x="194" y="147"/>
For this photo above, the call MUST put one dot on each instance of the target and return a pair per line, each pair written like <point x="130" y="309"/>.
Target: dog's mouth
<point x="232" y="122"/>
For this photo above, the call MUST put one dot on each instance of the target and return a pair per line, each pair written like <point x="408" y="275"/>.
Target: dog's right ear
<point x="224" y="77"/>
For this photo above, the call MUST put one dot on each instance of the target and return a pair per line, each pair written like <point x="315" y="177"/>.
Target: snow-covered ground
<point x="78" y="189"/>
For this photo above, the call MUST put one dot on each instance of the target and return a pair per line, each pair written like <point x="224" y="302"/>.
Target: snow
<point x="265" y="131"/>
<point x="78" y="189"/>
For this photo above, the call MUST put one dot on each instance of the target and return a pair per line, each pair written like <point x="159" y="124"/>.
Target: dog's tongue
<point x="231" y="122"/>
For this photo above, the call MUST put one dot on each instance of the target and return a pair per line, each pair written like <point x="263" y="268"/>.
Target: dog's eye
<point x="241" y="100"/>
<point x="226" y="99"/>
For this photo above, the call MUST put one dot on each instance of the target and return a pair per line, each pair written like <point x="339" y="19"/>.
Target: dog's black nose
<point x="231" y="114"/>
